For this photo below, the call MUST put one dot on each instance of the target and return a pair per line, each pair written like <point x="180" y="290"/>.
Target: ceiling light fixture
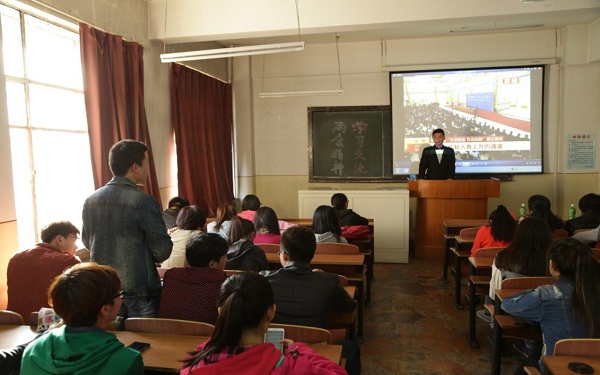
<point x="220" y="53"/>
<point x="284" y="94"/>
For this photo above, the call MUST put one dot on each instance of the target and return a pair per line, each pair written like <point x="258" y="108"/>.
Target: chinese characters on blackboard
<point x="359" y="130"/>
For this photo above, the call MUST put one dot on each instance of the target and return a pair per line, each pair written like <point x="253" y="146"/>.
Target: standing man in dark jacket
<point x="347" y="216"/>
<point x="123" y="228"/>
<point x="437" y="161"/>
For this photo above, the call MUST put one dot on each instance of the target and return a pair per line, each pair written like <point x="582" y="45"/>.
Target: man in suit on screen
<point x="437" y="161"/>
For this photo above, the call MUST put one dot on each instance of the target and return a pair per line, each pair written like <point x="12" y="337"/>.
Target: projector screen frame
<point x="537" y="100"/>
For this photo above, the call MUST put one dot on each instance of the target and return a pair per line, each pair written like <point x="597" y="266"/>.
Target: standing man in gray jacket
<point x="123" y="228"/>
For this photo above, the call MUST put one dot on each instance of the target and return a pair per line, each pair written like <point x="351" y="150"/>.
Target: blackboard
<point x="350" y="143"/>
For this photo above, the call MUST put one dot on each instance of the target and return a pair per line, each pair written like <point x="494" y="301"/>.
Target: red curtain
<point x="202" y="120"/>
<point x="113" y="79"/>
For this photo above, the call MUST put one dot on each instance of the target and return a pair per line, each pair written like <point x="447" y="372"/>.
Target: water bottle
<point x="522" y="210"/>
<point x="572" y="211"/>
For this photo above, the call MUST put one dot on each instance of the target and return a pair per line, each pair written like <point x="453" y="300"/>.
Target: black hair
<point x="540" y="207"/>
<point x="325" y="219"/>
<point x="299" y="243"/>
<point x="266" y="220"/>
<point x="191" y="218"/>
<point x="526" y="254"/>
<point x="124" y="154"/>
<point x="250" y="202"/>
<point x="590" y="203"/>
<point x="575" y="260"/>
<point x="502" y="224"/>
<point x="178" y="202"/>
<point x="244" y="300"/>
<point x="436" y="131"/>
<point x="203" y="248"/>
<point x="338" y="200"/>
<point x="239" y="228"/>
<point x="58" y="228"/>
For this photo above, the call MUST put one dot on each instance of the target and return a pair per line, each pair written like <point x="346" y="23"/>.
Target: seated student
<point x="243" y="254"/>
<point x="221" y="225"/>
<point x="87" y="297"/>
<point x="540" y="206"/>
<point x="191" y="293"/>
<point x="326" y="225"/>
<point x="190" y="221"/>
<point x="570" y="308"/>
<point x="170" y="214"/>
<point x="589" y="205"/>
<point x="347" y="216"/>
<point x="30" y="272"/>
<point x="589" y="236"/>
<point x="498" y="233"/>
<point x="250" y="205"/>
<point x="266" y="226"/>
<point x="307" y="298"/>
<point x="525" y="256"/>
<point x="237" y="344"/>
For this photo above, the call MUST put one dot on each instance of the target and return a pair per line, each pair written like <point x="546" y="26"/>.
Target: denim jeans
<point x="140" y="307"/>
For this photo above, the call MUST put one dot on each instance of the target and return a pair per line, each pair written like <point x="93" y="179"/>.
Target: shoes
<point x="528" y="348"/>
<point x="484" y="315"/>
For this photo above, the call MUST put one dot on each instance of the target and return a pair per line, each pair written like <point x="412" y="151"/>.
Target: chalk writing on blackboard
<point x="349" y="143"/>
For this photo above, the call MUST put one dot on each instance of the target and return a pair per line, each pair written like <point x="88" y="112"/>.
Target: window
<point x="48" y="128"/>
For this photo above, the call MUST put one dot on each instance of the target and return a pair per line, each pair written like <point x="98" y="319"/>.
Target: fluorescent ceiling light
<point x="232" y="52"/>
<point x="466" y="29"/>
<point x="299" y="93"/>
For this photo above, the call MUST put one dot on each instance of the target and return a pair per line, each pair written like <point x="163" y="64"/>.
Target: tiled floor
<point x="413" y="328"/>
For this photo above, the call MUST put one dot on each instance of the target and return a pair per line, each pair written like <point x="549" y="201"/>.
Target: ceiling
<point x="421" y="29"/>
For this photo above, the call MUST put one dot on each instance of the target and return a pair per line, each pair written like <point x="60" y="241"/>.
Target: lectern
<point x="447" y="199"/>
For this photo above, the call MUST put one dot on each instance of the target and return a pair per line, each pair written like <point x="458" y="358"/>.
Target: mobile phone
<point x="581" y="368"/>
<point x="139" y="346"/>
<point x="274" y="336"/>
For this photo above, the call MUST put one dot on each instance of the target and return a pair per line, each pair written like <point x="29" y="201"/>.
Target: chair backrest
<point x="558" y="234"/>
<point x="578" y="347"/>
<point x="268" y="247"/>
<point x="10" y="317"/>
<point x="527" y="282"/>
<point x="469" y="232"/>
<point x="307" y="335"/>
<point x="488" y="251"/>
<point x="343" y="280"/>
<point x="336" y="248"/>
<point x="168" y="326"/>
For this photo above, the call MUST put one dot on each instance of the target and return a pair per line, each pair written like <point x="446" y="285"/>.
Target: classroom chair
<point x="268" y="247"/>
<point x="307" y="335"/>
<point x="168" y="326"/>
<point x="10" y="317"/>
<point x="336" y="248"/>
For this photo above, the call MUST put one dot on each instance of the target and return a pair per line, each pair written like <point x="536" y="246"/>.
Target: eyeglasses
<point x="120" y="294"/>
<point x="281" y="252"/>
<point x="74" y="236"/>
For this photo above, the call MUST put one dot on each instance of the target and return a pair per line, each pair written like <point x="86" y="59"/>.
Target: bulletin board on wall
<point x="349" y="144"/>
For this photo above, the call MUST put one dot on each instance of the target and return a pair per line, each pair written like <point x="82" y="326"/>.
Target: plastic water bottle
<point x="572" y="211"/>
<point x="522" y="210"/>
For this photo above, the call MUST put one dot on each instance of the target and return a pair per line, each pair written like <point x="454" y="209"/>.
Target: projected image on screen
<point x="492" y="118"/>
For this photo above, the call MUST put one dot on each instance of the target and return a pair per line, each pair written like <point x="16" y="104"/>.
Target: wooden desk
<point x="11" y="336"/>
<point x="165" y="352"/>
<point x="558" y="364"/>
<point x="463" y="250"/>
<point x="351" y="266"/>
<point x="452" y="228"/>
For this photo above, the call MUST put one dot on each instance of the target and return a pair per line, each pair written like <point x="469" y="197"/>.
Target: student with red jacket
<point x="237" y="344"/>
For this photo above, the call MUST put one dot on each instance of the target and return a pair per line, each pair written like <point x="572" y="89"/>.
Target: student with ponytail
<point x="236" y="346"/>
<point x="570" y="308"/>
